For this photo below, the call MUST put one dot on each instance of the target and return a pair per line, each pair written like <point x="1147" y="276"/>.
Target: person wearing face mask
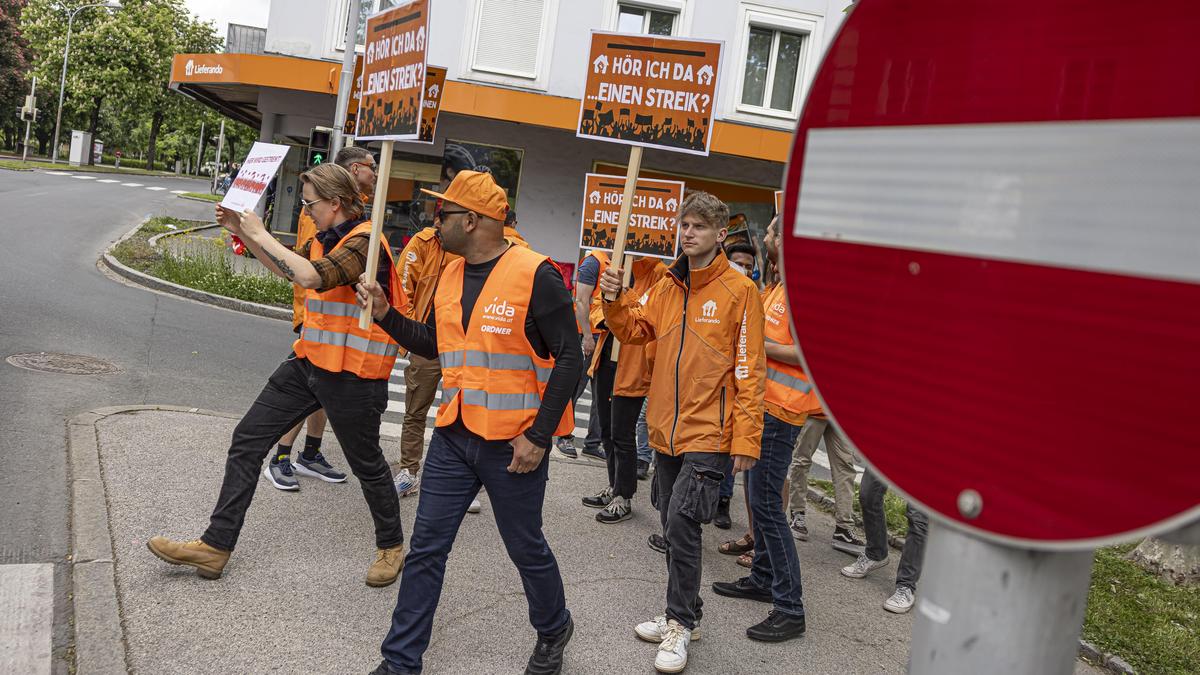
<point x="281" y="470"/>
<point x="504" y="332"/>
<point x="335" y="365"/>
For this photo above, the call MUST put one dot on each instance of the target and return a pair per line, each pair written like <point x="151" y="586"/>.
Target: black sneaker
<point x="658" y="543"/>
<point x="599" y="500"/>
<point x="845" y="541"/>
<point x="643" y="470"/>
<point x="742" y="588"/>
<point x="777" y="627"/>
<point x="385" y="668"/>
<point x="617" y="510"/>
<point x="547" y="657"/>
<point x="722" y="520"/>
<point x="566" y="445"/>
<point x="595" y="451"/>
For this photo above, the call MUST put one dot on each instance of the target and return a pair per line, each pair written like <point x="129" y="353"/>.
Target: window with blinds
<point x="509" y="37"/>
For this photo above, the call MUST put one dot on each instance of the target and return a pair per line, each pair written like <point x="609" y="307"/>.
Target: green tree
<point x="14" y="67"/>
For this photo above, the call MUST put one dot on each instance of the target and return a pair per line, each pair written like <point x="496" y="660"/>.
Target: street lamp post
<point x="62" y="84"/>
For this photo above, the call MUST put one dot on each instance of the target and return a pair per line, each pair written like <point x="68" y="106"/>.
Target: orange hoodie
<point x="709" y="371"/>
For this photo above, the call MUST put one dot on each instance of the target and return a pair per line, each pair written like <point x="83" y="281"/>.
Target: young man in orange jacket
<point x="775" y="573"/>
<point x="705" y="403"/>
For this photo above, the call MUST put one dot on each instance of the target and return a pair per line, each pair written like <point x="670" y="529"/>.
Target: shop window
<point x="633" y="18"/>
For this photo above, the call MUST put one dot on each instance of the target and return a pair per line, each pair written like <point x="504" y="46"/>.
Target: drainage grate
<point x="67" y="364"/>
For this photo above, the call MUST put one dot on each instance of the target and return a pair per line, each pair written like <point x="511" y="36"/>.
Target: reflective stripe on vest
<point x="349" y="341"/>
<point x="495" y="402"/>
<point x="790" y="381"/>
<point x="787" y="385"/>
<point x="332" y="308"/>
<point x="472" y="358"/>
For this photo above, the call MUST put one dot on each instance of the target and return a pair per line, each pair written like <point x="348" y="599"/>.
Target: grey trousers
<point x="841" y="465"/>
<point x="870" y="497"/>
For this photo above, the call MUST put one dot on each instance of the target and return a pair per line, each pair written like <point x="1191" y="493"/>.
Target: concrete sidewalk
<point x="293" y="599"/>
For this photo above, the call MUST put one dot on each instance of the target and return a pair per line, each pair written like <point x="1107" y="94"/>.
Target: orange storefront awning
<point x="230" y="83"/>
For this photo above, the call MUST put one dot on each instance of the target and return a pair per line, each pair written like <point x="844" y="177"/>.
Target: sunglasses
<point x="441" y="213"/>
<point x="372" y="166"/>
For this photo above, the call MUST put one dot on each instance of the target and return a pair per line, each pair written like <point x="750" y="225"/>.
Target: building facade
<point x="516" y="71"/>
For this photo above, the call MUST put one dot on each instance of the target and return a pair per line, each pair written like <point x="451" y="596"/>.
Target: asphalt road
<point x="54" y="299"/>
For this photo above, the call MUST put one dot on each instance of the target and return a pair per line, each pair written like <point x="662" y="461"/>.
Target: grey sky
<point x="223" y="12"/>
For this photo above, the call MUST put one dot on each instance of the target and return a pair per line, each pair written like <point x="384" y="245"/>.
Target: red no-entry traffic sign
<point x="992" y="252"/>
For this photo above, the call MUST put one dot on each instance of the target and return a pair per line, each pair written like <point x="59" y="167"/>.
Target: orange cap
<point x="476" y="191"/>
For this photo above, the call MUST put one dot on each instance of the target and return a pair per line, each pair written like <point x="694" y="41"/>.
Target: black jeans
<point x="685" y="492"/>
<point x="618" y="426"/>
<point x="870" y="497"/>
<point x="456" y="465"/>
<point x="293" y="392"/>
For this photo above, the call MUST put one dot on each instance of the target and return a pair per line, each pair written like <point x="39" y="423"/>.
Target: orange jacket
<point x="787" y="385"/>
<point x="709" y="372"/>
<point x="421" y="264"/>
<point x="514" y="237"/>
<point x="306" y="229"/>
<point x="633" y="372"/>
<point x="331" y="339"/>
<point x="491" y="376"/>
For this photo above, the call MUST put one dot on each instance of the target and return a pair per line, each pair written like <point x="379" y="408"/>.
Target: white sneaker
<point x="408" y="484"/>
<point x="475" y="506"/>
<point x="900" y="602"/>
<point x="654" y="629"/>
<point x="672" y="652"/>
<point x="862" y="567"/>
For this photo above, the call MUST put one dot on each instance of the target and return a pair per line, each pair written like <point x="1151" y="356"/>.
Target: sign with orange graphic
<point x="393" y="79"/>
<point x="653" y="228"/>
<point x="435" y="83"/>
<point x="651" y="91"/>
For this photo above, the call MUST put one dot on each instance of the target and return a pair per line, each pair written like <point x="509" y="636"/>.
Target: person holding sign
<point x="705" y="402"/>
<point x="335" y="366"/>
<point x="621" y="390"/>
<point x="503" y="330"/>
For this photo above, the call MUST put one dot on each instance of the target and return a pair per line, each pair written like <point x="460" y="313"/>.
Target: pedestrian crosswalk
<point x="111" y="181"/>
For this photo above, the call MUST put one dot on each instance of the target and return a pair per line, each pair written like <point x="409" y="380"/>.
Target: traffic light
<point x="319" y="141"/>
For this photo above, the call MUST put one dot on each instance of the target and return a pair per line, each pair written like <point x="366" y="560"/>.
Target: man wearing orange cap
<point x="504" y="331"/>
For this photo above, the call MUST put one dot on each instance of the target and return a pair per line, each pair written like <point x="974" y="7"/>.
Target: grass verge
<point x="1150" y="623"/>
<point x="18" y="165"/>
<point x="203" y="195"/>
<point x="206" y="266"/>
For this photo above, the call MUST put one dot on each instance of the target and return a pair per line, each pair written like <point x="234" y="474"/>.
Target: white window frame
<point x="541" y="76"/>
<point x="755" y="15"/>
<point x="681" y="8"/>
<point x="339" y="16"/>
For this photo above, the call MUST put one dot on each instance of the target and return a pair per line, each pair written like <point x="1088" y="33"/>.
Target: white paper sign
<point x="256" y="173"/>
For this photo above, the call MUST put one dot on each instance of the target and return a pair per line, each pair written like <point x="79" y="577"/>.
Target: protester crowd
<point x="695" y="379"/>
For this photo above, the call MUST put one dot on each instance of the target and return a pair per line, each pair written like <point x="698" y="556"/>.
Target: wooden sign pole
<point x="631" y="176"/>
<point x="378" y="212"/>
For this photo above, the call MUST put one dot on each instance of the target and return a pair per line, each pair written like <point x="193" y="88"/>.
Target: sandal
<point x="737" y="546"/>
<point x="746" y="560"/>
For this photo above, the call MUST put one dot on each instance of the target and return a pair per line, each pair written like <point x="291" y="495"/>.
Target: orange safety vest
<point x="331" y="339"/>
<point x="787" y="385"/>
<point x="307" y="229"/>
<point x="633" y="373"/>
<point x="491" y="376"/>
<point x="602" y="258"/>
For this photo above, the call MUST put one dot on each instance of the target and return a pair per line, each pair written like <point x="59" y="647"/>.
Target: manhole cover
<point x="68" y="364"/>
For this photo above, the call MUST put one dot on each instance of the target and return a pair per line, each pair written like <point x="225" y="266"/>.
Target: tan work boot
<point x="387" y="566"/>
<point x="208" y="561"/>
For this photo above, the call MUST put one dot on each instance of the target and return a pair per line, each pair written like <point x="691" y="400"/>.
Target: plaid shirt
<point x="342" y="266"/>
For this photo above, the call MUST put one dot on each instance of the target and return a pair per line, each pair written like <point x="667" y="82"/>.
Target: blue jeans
<point x="727" y="484"/>
<point x="456" y="466"/>
<point x="644" y="453"/>
<point x="776" y="564"/>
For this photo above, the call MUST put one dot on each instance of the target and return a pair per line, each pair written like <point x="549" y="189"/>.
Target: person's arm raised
<point x="276" y="257"/>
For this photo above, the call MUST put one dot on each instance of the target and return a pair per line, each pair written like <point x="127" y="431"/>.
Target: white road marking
<point x="179" y="192"/>
<point x="84" y="177"/>
<point x="27" y="601"/>
<point x="131" y="185"/>
<point x="58" y="173"/>
<point x="156" y="188"/>
<point x="107" y="180"/>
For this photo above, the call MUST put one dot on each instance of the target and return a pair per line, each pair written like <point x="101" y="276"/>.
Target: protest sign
<point x="256" y="173"/>
<point x="653" y="226"/>
<point x="651" y="91"/>
<point x="393" y="81"/>
<point x="435" y="84"/>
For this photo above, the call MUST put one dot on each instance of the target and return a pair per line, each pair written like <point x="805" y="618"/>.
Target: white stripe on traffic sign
<point x="1115" y="197"/>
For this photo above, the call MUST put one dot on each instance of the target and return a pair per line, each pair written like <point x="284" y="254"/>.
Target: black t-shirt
<point x="549" y="326"/>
